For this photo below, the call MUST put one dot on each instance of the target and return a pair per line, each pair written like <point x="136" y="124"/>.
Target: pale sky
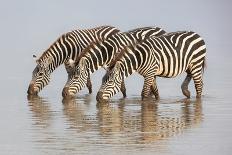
<point x="28" y="27"/>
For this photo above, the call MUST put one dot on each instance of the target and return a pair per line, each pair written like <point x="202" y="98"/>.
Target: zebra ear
<point x="82" y="63"/>
<point x="35" y="58"/>
<point x="48" y="61"/>
<point x="117" y="68"/>
<point x="106" y="68"/>
<point x="70" y="63"/>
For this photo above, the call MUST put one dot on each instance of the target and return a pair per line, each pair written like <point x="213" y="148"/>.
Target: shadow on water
<point x="82" y="125"/>
<point x="75" y="111"/>
<point x="134" y="121"/>
<point x="41" y="111"/>
<point x="44" y="130"/>
<point x="146" y="121"/>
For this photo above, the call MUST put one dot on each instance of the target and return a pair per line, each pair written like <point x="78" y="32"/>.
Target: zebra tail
<point x="204" y="65"/>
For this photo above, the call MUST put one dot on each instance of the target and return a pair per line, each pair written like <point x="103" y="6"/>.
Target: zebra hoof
<point x="124" y="95"/>
<point x="157" y="97"/>
<point x="144" y="98"/>
<point x="186" y="93"/>
<point x="198" y="96"/>
<point x="90" y="91"/>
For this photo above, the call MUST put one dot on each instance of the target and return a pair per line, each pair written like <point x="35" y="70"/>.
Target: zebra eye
<point x="77" y="72"/>
<point x="40" y="74"/>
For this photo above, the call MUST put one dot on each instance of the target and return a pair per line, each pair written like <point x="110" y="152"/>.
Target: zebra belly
<point x="168" y="72"/>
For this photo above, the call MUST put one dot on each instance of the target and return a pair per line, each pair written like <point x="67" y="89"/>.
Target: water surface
<point x="172" y="125"/>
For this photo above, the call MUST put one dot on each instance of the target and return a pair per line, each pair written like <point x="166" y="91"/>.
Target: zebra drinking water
<point x="167" y="56"/>
<point x="101" y="54"/>
<point x="65" y="48"/>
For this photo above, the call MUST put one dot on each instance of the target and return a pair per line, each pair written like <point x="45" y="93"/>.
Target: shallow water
<point x="173" y="125"/>
<point x="126" y="126"/>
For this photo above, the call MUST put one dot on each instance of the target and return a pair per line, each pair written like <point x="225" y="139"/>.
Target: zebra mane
<point x="119" y="55"/>
<point x="45" y="54"/>
<point x="86" y="50"/>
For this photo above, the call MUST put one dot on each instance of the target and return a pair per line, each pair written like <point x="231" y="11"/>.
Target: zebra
<point x="68" y="46"/>
<point x="166" y="56"/>
<point x="101" y="54"/>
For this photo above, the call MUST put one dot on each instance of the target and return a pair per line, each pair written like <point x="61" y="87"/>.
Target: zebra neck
<point x="92" y="66"/>
<point x="56" y="54"/>
<point x="127" y="69"/>
<point x="56" y="63"/>
<point x="100" y="55"/>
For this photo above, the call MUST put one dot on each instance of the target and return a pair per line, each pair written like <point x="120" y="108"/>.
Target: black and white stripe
<point x="167" y="56"/>
<point x="69" y="45"/>
<point x="102" y="53"/>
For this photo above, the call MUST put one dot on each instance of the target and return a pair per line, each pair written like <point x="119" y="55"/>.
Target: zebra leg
<point x="89" y="85"/>
<point x="123" y="89"/>
<point x="197" y="78"/>
<point x="184" y="85"/>
<point x="69" y="66"/>
<point x="154" y="89"/>
<point x="147" y="87"/>
<point x="68" y="69"/>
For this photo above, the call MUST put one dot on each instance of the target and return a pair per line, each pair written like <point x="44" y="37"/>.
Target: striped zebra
<point x="101" y="54"/>
<point x="68" y="45"/>
<point x="166" y="56"/>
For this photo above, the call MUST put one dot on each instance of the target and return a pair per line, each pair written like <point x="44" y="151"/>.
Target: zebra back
<point x="145" y="32"/>
<point x="112" y="45"/>
<point x="171" y="51"/>
<point x="71" y="44"/>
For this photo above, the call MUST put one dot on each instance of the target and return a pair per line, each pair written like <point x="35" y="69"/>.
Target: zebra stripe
<point x="69" y="45"/>
<point x="166" y="56"/>
<point x="101" y="54"/>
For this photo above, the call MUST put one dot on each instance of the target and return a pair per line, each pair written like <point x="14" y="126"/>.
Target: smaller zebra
<point x="100" y="54"/>
<point x="167" y="56"/>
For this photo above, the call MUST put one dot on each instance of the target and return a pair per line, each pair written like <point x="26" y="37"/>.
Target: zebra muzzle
<point x="100" y="98"/>
<point x="31" y="90"/>
<point x="66" y="93"/>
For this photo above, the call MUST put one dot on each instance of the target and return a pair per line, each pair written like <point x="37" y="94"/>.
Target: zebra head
<point x="111" y="83"/>
<point x="40" y="76"/>
<point x="77" y="80"/>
